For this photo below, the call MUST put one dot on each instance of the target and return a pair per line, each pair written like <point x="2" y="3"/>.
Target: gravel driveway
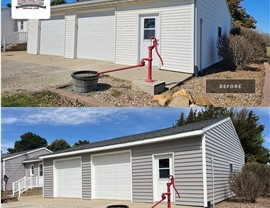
<point x="31" y="77"/>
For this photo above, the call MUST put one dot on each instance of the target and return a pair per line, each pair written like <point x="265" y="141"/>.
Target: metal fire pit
<point x="85" y="81"/>
<point x="117" y="206"/>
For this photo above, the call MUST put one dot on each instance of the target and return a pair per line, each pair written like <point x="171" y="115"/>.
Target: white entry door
<point x="163" y="168"/>
<point x="149" y="28"/>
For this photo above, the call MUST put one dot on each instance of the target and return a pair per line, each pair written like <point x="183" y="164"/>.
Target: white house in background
<point x="11" y="27"/>
<point x="120" y="31"/>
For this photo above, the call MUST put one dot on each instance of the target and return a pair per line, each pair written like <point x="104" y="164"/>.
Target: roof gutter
<point x="129" y="144"/>
<point x="84" y="4"/>
<point x="31" y="161"/>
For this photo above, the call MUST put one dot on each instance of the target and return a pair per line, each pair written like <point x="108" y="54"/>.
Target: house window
<point x="149" y="28"/>
<point x="32" y="170"/>
<point x="40" y="170"/>
<point x="164" y="168"/>
<point x="231" y="168"/>
<point x="21" y="25"/>
<point x="219" y="32"/>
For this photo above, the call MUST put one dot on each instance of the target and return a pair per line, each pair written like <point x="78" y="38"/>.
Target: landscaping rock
<point x="183" y="92"/>
<point x="203" y="102"/>
<point x="180" y="101"/>
<point x="163" y="99"/>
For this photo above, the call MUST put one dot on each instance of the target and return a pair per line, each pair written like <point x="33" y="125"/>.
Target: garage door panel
<point x="96" y="36"/>
<point x="112" y="177"/>
<point x="68" y="178"/>
<point x="52" y="36"/>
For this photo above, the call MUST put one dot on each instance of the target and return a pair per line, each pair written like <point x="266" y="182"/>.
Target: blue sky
<point x="256" y="8"/>
<point x="94" y="124"/>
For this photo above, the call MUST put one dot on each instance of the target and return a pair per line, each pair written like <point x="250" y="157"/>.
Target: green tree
<point x="8" y="5"/>
<point x="28" y="141"/>
<point x="246" y="123"/>
<point x="240" y="15"/>
<point x="57" y="2"/>
<point x="80" y="142"/>
<point x="58" y="144"/>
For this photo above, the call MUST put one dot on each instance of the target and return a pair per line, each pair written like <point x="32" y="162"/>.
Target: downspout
<point x="201" y="43"/>
<point x="204" y="171"/>
<point x="4" y="173"/>
<point x="213" y="181"/>
<point x="196" y="70"/>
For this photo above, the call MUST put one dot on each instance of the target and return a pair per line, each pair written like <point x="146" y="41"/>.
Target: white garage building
<point x="119" y="31"/>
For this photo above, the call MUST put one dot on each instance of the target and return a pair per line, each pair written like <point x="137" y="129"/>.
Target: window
<point x="21" y="25"/>
<point x="32" y="170"/>
<point x="149" y="28"/>
<point x="164" y="168"/>
<point x="40" y="170"/>
<point x="231" y="168"/>
<point x="219" y="32"/>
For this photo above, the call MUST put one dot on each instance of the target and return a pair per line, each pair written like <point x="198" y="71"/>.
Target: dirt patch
<point x="118" y="93"/>
<point x="261" y="203"/>
<point x="197" y="87"/>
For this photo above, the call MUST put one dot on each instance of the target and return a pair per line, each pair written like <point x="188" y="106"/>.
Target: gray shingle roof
<point x="144" y="136"/>
<point x="7" y="155"/>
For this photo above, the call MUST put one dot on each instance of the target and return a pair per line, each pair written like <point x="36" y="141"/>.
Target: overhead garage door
<point x="96" y="36"/>
<point x="52" y="36"/>
<point x="68" y="178"/>
<point x="112" y="176"/>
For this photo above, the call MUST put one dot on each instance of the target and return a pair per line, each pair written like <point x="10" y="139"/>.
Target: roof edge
<point x="30" y="151"/>
<point x="128" y="144"/>
<point x="216" y="124"/>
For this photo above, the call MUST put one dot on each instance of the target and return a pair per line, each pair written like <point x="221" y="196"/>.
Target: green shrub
<point x="246" y="185"/>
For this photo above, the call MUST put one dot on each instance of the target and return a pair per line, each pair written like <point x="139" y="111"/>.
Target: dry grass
<point x="261" y="203"/>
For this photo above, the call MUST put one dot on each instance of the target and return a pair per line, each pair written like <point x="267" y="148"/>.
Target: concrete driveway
<point x="21" y="71"/>
<point x="39" y="202"/>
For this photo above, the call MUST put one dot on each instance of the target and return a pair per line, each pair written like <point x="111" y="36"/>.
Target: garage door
<point x="52" y="36"/>
<point x="68" y="178"/>
<point x="112" y="176"/>
<point x="96" y="32"/>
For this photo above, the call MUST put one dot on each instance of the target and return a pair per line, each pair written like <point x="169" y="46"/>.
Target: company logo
<point x="30" y="4"/>
<point x="30" y="9"/>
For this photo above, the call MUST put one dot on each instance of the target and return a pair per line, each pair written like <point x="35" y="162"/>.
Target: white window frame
<point x="32" y="167"/>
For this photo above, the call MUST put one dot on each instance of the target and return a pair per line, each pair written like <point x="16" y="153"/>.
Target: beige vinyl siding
<point x="187" y="170"/>
<point x="223" y="145"/>
<point x="215" y="14"/>
<point x="176" y="32"/>
<point x="33" y="36"/>
<point x="86" y="176"/>
<point x="48" y="178"/>
<point x="70" y="35"/>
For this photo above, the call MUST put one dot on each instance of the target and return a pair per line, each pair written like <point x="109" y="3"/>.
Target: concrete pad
<point x="153" y="88"/>
<point x="170" y="78"/>
<point x="40" y="202"/>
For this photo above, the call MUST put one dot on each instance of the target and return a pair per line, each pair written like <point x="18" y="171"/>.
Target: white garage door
<point x="112" y="176"/>
<point x="68" y="178"/>
<point x="52" y="36"/>
<point x="96" y="32"/>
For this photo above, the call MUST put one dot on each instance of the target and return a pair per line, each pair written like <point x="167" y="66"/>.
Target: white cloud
<point x="9" y="120"/>
<point x="66" y="116"/>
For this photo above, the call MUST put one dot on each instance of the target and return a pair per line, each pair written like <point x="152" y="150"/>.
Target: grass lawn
<point x="37" y="99"/>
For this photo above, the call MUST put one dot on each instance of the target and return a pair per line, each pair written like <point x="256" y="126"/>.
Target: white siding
<point x="223" y="145"/>
<point x="33" y="36"/>
<point x="176" y="33"/>
<point x="215" y="14"/>
<point x="71" y="33"/>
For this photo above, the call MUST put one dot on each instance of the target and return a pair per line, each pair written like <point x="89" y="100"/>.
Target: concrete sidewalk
<point x="266" y="89"/>
<point x="40" y="202"/>
<point x="171" y="78"/>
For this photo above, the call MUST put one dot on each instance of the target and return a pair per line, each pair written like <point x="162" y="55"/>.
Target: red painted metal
<point x="168" y="193"/>
<point x="154" y="45"/>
